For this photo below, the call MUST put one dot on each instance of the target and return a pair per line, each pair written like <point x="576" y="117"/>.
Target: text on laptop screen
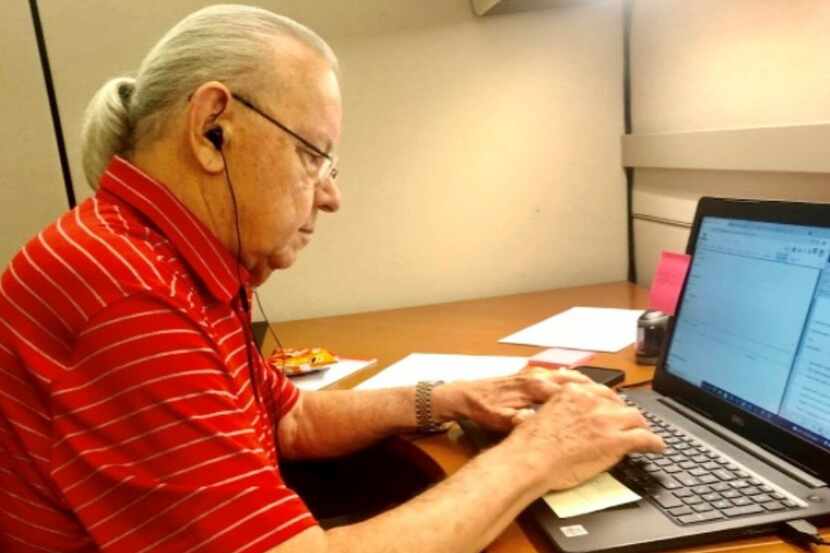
<point x="754" y="326"/>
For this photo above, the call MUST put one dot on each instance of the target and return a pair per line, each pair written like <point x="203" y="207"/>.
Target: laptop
<point x="741" y="393"/>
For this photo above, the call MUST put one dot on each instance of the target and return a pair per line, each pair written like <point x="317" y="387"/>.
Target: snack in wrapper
<point x="301" y="361"/>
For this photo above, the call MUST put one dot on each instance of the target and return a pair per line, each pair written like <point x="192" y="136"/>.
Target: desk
<point x="473" y="327"/>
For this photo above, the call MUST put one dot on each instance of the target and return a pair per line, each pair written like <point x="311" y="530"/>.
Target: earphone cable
<point x="243" y="295"/>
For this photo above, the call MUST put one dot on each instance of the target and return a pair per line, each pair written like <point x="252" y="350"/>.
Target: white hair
<point x="226" y="43"/>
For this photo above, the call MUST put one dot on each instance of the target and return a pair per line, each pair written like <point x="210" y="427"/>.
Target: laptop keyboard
<point x="693" y="483"/>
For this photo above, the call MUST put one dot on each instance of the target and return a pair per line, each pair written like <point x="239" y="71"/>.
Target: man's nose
<point x="328" y="196"/>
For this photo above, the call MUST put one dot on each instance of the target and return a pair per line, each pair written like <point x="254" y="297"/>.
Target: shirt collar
<point x="212" y="263"/>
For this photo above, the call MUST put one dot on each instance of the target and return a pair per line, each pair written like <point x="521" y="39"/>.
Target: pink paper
<point x="668" y="281"/>
<point x="559" y="357"/>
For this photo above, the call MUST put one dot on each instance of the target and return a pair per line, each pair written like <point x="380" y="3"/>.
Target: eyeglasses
<point x="325" y="164"/>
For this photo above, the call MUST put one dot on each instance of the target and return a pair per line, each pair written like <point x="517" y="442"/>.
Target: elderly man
<point x="136" y="415"/>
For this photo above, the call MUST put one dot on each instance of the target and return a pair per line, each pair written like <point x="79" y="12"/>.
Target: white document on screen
<point x="432" y="366"/>
<point x="584" y="328"/>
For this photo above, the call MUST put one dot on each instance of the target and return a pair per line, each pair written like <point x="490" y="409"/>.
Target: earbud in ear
<point x="215" y="137"/>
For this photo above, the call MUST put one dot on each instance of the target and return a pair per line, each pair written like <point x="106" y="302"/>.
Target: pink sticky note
<point x="559" y="357"/>
<point x="668" y="281"/>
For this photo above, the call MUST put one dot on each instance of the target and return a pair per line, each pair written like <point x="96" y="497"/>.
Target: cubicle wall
<point x="31" y="186"/>
<point x="480" y="156"/>
<point x="728" y="99"/>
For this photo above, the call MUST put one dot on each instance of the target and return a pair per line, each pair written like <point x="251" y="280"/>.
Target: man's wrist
<point x="446" y="401"/>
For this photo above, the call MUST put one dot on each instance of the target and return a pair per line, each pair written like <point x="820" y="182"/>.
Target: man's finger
<point x="627" y="418"/>
<point x="643" y="440"/>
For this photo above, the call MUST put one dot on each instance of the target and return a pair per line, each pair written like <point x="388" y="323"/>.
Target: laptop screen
<point x="754" y="325"/>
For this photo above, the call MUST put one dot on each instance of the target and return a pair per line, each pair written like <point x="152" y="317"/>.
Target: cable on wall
<point x="53" y="103"/>
<point x="629" y="171"/>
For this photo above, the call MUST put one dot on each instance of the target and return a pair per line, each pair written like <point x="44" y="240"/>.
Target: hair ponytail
<point x="106" y="127"/>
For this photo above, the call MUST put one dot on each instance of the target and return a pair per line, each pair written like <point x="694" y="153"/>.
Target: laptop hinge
<point x="786" y="466"/>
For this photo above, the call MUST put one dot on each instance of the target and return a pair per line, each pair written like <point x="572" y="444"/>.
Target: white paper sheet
<point x="430" y="366"/>
<point x="321" y="379"/>
<point x="587" y="328"/>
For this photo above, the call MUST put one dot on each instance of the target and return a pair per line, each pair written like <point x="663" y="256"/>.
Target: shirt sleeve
<point x="156" y="446"/>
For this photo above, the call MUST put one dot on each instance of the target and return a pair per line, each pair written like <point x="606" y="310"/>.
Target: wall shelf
<point x="495" y="7"/>
<point x="793" y="149"/>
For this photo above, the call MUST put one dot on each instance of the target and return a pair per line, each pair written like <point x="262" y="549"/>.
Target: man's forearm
<point x="464" y="513"/>
<point x="334" y="423"/>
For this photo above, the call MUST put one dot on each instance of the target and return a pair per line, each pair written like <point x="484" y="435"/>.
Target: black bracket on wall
<point x="53" y="103"/>
<point x="629" y="171"/>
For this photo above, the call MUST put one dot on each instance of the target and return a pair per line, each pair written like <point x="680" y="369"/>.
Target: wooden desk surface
<point x="474" y="327"/>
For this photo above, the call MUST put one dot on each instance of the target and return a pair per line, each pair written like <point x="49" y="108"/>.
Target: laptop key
<point x="700" y="517"/>
<point x="790" y="504"/>
<point x="773" y="506"/>
<point x="710" y="497"/>
<point x="722" y="504"/>
<point x="668" y="482"/>
<point x="687" y="465"/>
<point x="684" y="510"/>
<point x="721" y="487"/>
<point x="700" y="459"/>
<point x="702" y="507"/>
<point x="708" y="479"/>
<point x="700" y="490"/>
<point x="750" y="490"/>
<point x="741" y="501"/>
<point x="686" y="479"/>
<point x="761" y="498"/>
<point x="683" y="492"/>
<point x="724" y="474"/>
<point x="667" y="500"/>
<point x="738" y="484"/>
<point x="731" y="494"/>
<point x="711" y="465"/>
<point x="711" y="515"/>
<point x="698" y="472"/>
<point x="692" y="500"/>
<point x="743" y="510"/>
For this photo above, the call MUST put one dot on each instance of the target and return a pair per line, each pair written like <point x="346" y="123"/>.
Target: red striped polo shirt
<point x="127" y="418"/>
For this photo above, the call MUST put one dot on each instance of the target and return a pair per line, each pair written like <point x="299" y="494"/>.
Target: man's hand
<point x="501" y="403"/>
<point x="584" y="430"/>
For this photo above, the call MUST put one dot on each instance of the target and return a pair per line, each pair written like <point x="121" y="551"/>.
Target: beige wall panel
<point x="723" y="64"/>
<point x="31" y="187"/>
<point x="479" y="157"/>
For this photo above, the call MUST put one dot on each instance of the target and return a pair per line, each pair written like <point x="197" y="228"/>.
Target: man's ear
<point x="209" y="129"/>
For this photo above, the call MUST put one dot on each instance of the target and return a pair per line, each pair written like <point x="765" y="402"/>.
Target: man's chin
<point x="281" y="260"/>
